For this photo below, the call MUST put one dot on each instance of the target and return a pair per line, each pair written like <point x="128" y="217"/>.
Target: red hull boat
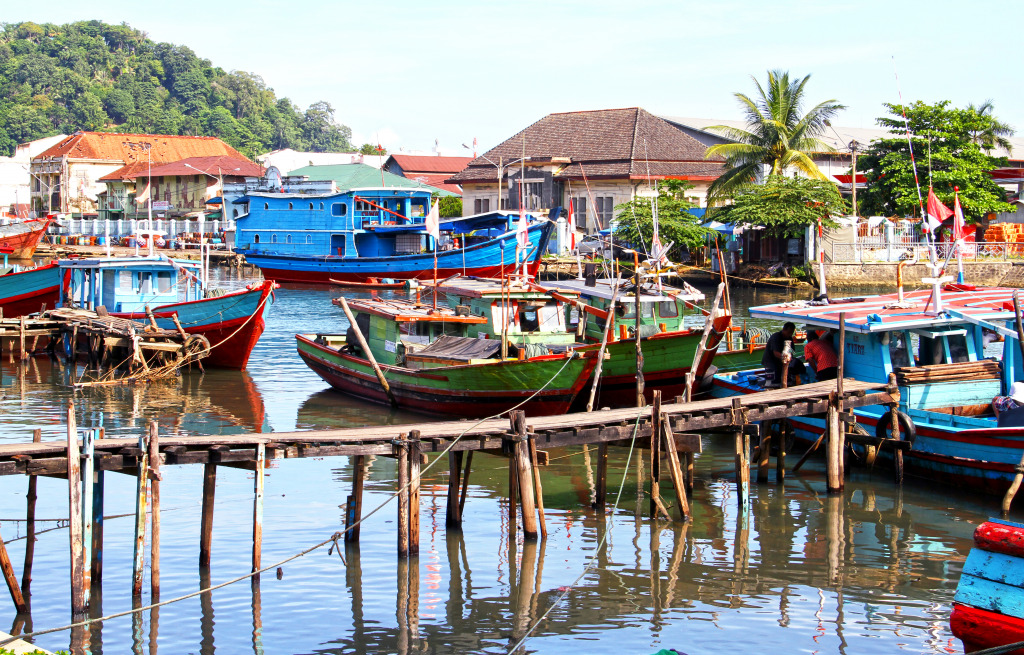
<point x="19" y="240"/>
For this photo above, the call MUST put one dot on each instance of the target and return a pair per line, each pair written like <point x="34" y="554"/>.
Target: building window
<point x="532" y="194"/>
<point x="579" y="210"/>
<point x="177" y="179"/>
<point x="234" y="213"/>
<point x="605" y="208"/>
<point x="481" y="205"/>
<point x="256" y="238"/>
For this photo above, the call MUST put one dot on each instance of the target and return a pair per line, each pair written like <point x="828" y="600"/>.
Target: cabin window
<point x="290" y="207"/>
<point x="310" y="206"/>
<point x="266" y="205"/>
<point x="256" y="238"/>
<point x="288" y="238"/>
<point x="273" y="238"/>
<point x="899" y="350"/>
<point x="234" y="213"/>
<point x="321" y="207"/>
<point x="339" y="209"/>
<point x="163" y="282"/>
<point x="124" y="280"/>
<point x="309" y="238"/>
<point x="528" y="320"/>
<point x="145" y="283"/>
<point x="958" y="348"/>
<point x="668" y="309"/>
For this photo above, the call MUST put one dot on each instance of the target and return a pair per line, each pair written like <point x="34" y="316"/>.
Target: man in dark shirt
<point x="772" y="358"/>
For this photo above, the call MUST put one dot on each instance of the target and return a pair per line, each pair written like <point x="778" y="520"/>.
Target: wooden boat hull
<point x="232" y="323"/>
<point x="668" y="357"/>
<point x="25" y="292"/>
<point x="369" y="285"/>
<point x="471" y="391"/>
<point x="981" y="459"/>
<point x="494" y="258"/>
<point x="988" y="608"/>
<point x="19" y="240"/>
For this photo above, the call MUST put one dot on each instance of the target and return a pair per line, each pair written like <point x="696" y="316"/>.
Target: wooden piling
<point x="655" y="450"/>
<point x="764" y="446"/>
<point x="465" y="485"/>
<point x="30" y="528"/>
<point x="88" y="469"/>
<point x="21" y="338"/>
<point x="453" y="516"/>
<point x="834" y="452"/>
<point x="257" y="510"/>
<point x="415" y="462"/>
<point x="206" y="521"/>
<point x="138" y="562"/>
<point x="601" y="484"/>
<point x="742" y="468"/>
<point x="96" y="565"/>
<point x="12" y="580"/>
<point x="675" y="470"/>
<point x="524" y="470"/>
<point x="785" y="431"/>
<point x="154" y="489"/>
<point x="354" y="507"/>
<point x="75" y="518"/>
<point x="538" y="487"/>
<point x="402" y="452"/>
<point x="639" y="348"/>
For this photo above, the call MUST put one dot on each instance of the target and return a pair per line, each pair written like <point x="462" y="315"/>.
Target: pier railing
<point x="855" y="253"/>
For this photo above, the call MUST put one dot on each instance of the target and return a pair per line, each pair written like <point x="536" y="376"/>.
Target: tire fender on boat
<point x="883" y="429"/>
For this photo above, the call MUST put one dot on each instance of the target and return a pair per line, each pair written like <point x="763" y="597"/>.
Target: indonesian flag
<point x="433" y="223"/>
<point x="937" y="212"/>
<point x="959" y="227"/>
<point x="522" y="237"/>
<point x="570" y="221"/>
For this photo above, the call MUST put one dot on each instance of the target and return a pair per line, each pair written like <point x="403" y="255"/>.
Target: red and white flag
<point x="570" y="222"/>
<point x="522" y="236"/>
<point x="937" y="212"/>
<point x="433" y="223"/>
<point x="959" y="226"/>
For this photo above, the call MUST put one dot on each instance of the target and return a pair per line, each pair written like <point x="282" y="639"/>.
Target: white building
<point x="288" y="160"/>
<point x="14" y="171"/>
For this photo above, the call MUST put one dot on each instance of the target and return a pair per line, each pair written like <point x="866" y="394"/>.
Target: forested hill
<point x="93" y="76"/>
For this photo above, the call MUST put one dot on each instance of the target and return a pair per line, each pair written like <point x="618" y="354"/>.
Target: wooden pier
<point x="670" y="432"/>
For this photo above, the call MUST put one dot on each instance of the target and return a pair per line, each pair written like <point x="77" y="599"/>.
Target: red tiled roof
<point x="435" y="180"/>
<point x="111" y="146"/>
<point x="220" y="165"/>
<point x="429" y="164"/>
<point x="617" y="142"/>
<point x="126" y="172"/>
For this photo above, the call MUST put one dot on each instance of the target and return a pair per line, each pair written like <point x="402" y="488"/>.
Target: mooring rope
<point x="333" y="539"/>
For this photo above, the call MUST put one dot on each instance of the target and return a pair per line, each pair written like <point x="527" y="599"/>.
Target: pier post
<point x="154" y="488"/>
<point x="465" y="485"/>
<point x="75" y="518"/>
<point x="894" y="427"/>
<point x="97" y="529"/>
<point x="524" y="471"/>
<point x="538" y="487"/>
<point x="764" y="448"/>
<point x="674" y="468"/>
<point x="742" y="453"/>
<point x="639" y="347"/>
<point x="206" y="521"/>
<point x="257" y="510"/>
<point x="402" y="451"/>
<point x="138" y="562"/>
<point x="30" y="529"/>
<point x="601" y="484"/>
<point x="354" y="507"/>
<point x="453" y="515"/>
<point x="834" y="463"/>
<point x="415" y="461"/>
<point x="785" y="432"/>
<point x="656" y="418"/>
<point x="12" y="580"/>
<point x="88" y="467"/>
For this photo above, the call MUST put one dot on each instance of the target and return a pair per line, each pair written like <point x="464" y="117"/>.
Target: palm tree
<point x="777" y="135"/>
<point x="994" y="132"/>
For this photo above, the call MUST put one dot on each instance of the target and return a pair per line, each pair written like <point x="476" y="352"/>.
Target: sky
<point x="409" y="74"/>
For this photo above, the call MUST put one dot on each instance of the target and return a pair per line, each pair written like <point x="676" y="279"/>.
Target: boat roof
<point x="603" y="289"/>
<point x="158" y="261"/>
<point x="404" y="311"/>
<point x="482" y="287"/>
<point x="877" y="314"/>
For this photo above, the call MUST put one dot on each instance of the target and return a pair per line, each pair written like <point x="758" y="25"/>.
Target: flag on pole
<point x="433" y="223"/>
<point x="570" y="222"/>
<point x="522" y="237"/>
<point x="959" y="227"/>
<point x="937" y="212"/>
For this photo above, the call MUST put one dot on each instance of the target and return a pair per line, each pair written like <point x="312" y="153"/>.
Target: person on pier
<point x="820" y="354"/>
<point x="776" y="354"/>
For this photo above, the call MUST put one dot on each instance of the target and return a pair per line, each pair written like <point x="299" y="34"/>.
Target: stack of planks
<point x="963" y="372"/>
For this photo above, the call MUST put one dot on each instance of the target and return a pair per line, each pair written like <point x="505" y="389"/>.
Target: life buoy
<point x="883" y="429"/>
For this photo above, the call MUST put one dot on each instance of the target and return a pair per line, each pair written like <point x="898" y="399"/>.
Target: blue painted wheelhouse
<point x="375" y="233"/>
<point x="947" y="380"/>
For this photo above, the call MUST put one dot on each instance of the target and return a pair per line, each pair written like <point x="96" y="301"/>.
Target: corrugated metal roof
<point x="354" y="176"/>
<point x="428" y="164"/>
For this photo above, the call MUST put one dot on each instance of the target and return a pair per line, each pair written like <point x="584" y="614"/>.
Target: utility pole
<point x="853" y="180"/>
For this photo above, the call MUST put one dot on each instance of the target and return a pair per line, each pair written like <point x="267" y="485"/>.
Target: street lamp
<point x="501" y="169"/>
<point x="223" y="200"/>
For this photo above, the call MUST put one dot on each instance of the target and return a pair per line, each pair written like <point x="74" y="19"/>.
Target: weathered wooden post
<point x="537" y="486"/>
<point x="785" y="431"/>
<point x="524" y="471"/>
<point x="401" y="446"/>
<point x="12" y="580"/>
<point x="257" y="509"/>
<point x="75" y="518"/>
<point x="601" y="484"/>
<point x="655" y="452"/>
<point x="764" y="446"/>
<point x="465" y="485"/>
<point x="88" y="468"/>
<point x="894" y="431"/>
<point x="206" y="520"/>
<point x="140" y="520"/>
<point x="675" y="468"/>
<point x="453" y="516"/>
<point x="415" y="462"/>
<point x="639" y="346"/>
<point x="30" y="528"/>
<point x="742" y="453"/>
<point x="154" y="487"/>
<point x="835" y="455"/>
<point x="354" y="507"/>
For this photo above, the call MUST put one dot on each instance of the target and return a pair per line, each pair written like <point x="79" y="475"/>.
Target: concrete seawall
<point x="1000" y="273"/>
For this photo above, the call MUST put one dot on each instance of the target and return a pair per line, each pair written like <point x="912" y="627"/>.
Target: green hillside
<point x="94" y="76"/>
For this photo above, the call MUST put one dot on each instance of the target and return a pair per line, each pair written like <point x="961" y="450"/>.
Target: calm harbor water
<point x="870" y="571"/>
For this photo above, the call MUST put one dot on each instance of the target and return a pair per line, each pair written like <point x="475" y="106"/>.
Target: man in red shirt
<point x="822" y="356"/>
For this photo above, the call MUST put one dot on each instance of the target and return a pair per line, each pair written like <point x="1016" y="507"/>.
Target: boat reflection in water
<point x="331" y="410"/>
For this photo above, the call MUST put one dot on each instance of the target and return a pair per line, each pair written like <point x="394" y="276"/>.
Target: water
<point x="871" y="571"/>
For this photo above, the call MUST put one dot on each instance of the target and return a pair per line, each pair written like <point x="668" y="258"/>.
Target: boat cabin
<point x="125" y="285"/>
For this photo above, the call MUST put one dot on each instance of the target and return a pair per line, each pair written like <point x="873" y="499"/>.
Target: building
<point x="428" y="169"/>
<point x="66" y="176"/>
<point x="356" y="176"/>
<point x="15" y="187"/>
<point x="287" y="159"/>
<point x="600" y="159"/>
<point x="178" y="188"/>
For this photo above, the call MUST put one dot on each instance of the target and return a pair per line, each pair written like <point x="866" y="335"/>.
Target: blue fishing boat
<point x="365" y="233"/>
<point x="24" y="291"/>
<point x="176" y="297"/>
<point x="933" y="342"/>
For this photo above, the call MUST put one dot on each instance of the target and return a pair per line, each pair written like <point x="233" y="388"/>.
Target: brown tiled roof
<point x="430" y="164"/>
<point x="127" y="172"/>
<point x="111" y="146"/>
<point x="220" y="165"/>
<point x="618" y="142"/>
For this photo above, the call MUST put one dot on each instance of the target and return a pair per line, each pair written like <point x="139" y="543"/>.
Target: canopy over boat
<point x="603" y="289"/>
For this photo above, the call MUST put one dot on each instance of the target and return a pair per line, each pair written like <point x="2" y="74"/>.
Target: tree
<point x="119" y="105"/>
<point x="371" y="149"/>
<point x="947" y="157"/>
<point x="994" y="133"/>
<point x="321" y="132"/>
<point x="778" y="135"/>
<point x="785" y="206"/>
<point x="675" y="223"/>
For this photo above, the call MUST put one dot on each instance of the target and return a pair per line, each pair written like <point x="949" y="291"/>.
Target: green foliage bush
<point x="90" y="75"/>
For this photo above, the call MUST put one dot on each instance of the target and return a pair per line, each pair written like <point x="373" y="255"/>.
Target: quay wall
<point x="1003" y="273"/>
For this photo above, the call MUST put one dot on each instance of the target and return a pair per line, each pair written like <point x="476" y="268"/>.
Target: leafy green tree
<point x="779" y="134"/>
<point x="371" y="149"/>
<point x="675" y="223"/>
<point x="955" y="160"/>
<point x="449" y="206"/>
<point x="321" y="132"/>
<point x="119" y="105"/>
<point x="785" y="206"/>
<point x="87" y="111"/>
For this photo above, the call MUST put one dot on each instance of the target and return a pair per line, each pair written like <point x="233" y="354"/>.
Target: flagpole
<point x="958" y="234"/>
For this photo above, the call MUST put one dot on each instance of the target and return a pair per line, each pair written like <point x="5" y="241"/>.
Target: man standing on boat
<point x="775" y="355"/>
<point x="820" y="354"/>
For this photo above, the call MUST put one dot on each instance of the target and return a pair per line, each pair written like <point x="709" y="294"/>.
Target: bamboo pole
<point x="609" y="325"/>
<point x="257" y="510"/>
<point x="140" y="521"/>
<point x="368" y="352"/>
<point x="154" y="488"/>
<point x="834" y="462"/>
<point x="75" y="517"/>
<point x="88" y="467"/>
<point x="206" y="521"/>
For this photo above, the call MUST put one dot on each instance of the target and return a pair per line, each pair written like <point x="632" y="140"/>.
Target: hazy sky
<point x="413" y="72"/>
